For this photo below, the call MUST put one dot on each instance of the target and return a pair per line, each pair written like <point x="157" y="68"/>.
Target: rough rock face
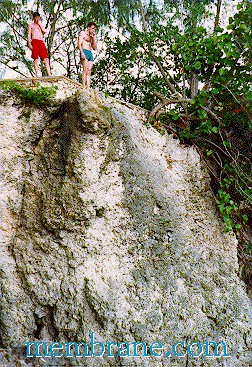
<point x="109" y="227"/>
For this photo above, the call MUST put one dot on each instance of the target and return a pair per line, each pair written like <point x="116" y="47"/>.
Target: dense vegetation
<point x="199" y="79"/>
<point x="63" y="19"/>
<point x="39" y="96"/>
<point x="174" y="59"/>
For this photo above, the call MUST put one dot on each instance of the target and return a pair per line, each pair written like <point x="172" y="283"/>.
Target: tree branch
<point x="211" y="113"/>
<point x="53" y="26"/>
<point x="154" y="57"/>
<point x="168" y="100"/>
<point x="217" y="16"/>
<point x="165" y="101"/>
<point x="13" y="68"/>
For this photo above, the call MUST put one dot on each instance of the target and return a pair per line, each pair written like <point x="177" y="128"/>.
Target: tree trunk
<point x="217" y="16"/>
<point x="194" y="85"/>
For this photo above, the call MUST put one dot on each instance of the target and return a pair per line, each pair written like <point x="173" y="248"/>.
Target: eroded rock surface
<point x="109" y="227"/>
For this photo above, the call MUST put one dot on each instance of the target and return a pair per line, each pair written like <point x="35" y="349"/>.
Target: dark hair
<point x="35" y="14"/>
<point x="90" y="24"/>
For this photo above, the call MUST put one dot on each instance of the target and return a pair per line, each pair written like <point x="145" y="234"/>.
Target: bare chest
<point x="86" y="38"/>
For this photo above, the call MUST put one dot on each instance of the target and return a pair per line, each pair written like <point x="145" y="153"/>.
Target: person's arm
<point x="29" y="37"/>
<point x="43" y="29"/>
<point x="81" y="35"/>
<point x="93" y="41"/>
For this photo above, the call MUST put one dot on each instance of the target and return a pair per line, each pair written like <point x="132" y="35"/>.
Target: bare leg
<point x="89" y="68"/>
<point x="47" y="65"/>
<point x="84" y="72"/>
<point x="36" y="66"/>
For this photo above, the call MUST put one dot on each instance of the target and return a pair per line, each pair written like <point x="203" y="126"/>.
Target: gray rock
<point x="109" y="227"/>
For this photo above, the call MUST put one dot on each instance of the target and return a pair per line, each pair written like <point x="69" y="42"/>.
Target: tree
<point x="197" y="85"/>
<point x="63" y="19"/>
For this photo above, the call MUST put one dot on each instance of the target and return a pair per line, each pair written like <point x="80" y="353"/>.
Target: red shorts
<point x="39" y="49"/>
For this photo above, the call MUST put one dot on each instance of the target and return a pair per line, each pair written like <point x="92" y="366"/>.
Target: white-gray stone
<point x="109" y="227"/>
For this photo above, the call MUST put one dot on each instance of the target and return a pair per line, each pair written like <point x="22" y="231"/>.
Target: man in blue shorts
<point x="87" y="43"/>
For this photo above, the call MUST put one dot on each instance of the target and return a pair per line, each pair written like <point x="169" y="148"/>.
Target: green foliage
<point x="227" y="207"/>
<point x="25" y="115"/>
<point x="124" y="70"/>
<point x="168" y="50"/>
<point x="64" y="20"/>
<point x="212" y="70"/>
<point x="34" y="96"/>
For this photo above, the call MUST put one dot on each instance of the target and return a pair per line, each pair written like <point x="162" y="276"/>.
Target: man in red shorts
<point x="36" y="43"/>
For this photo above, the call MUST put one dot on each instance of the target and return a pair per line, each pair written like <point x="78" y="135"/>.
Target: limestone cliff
<point x="109" y="227"/>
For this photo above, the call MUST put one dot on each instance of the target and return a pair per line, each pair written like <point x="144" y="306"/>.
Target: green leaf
<point x="215" y="129"/>
<point x="175" y="116"/>
<point x="238" y="227"/>
<point x="197" y="65"/>
<point x="215" y="91"/>
<point x="209" y="152"/>
<point x="219" y="29"/>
